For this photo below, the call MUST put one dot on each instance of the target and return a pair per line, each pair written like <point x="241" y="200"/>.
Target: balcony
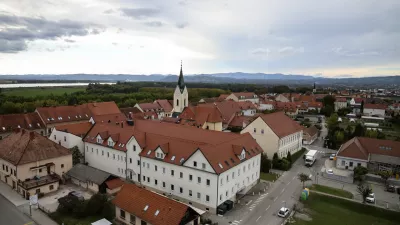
<point x="37" y="181"/>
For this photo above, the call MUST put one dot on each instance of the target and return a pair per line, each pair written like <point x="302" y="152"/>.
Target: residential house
<point x="70" y="135"/>
<point x="32" y="164"/>
<point x="289" y="108"/>
<point x="240" y="122"/>
<point x="166" y="105"/>
<point x="276" y="133"/>
<point x="222" y="97"/>
<point x="208" y="100"/>
<point x="267" y="104"/>
<point x="283" y="98"/>
<point x="310" y="134"/>
<point x="90" y="178"/>
<point x="28" y="121"/>
<point x="375" y="110"/>
<point x="138" y="206"/>
<point x="247" y="108"/>
<point x="340" y="103"/>
<point x="355" y="104"/>
<point x="183" y="162"/>
<point x="153" y="107"/>
<point x="315" y="106"/>
<point x="375" y="154"/>
<point x="244" y="96"/>
<point x="209" y="118"/>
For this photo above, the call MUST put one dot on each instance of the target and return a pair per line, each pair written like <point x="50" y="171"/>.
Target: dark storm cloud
<point x="140" y="13"/>
<point x="18" y="30"/>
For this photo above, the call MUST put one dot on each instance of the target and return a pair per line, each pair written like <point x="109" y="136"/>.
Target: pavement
<point x="18" y="207"/>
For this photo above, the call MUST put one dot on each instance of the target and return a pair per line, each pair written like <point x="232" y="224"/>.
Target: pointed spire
<point x="181" y="82"/>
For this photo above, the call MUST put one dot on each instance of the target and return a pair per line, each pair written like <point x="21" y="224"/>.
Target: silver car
<point x="283" y="212"/>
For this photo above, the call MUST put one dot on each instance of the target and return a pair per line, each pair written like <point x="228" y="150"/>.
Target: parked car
<point x="332" y="157"/>
<point x="77" y="195"/>
<point x="330" y="171"/>
<point x="283" y="212"/>
<point x="390" y="188"/>
<point x="370" y="198"/>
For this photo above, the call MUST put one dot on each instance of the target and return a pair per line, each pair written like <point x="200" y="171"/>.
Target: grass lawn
<point x="325" y="210"/>
<point x="269" y="176"/>
<point x="332" y="191"/>
<point x="41" y="91"/>
<point x="67" y="220"/>
<point x="298" y="154"/>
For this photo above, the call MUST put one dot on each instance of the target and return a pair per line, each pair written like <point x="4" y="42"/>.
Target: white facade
<point x="266" y="106"/>
<point x="340" y="105"/>
<point x="66" y="140"/>
<point x="248" y="112"/>
<point x="349" y="163"/>
<point x="370" y="112"/>
<point x="281" y="98"/>
<point x="160" y="113"/>
<point x="254" y="99"/>
<point x="270" y="142"/>
<point x="181" y="99"/>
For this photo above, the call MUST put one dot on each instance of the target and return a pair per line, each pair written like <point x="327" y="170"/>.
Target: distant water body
<point x="45" y="85"/>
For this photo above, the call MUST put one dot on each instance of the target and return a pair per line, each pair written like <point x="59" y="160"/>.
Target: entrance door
<point x="48" y="169"/>
<point x="13" y="184"/>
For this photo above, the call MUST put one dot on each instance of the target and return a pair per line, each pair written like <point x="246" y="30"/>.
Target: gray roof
<point x="87" y="173"/>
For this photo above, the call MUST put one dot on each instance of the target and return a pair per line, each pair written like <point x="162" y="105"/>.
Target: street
<point x="10" y="215"/>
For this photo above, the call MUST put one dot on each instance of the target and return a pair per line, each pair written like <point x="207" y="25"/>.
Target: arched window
<point x="177" y="102"/>
<point x="184" y="102"/>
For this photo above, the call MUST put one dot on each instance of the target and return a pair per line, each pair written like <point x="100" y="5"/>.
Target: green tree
<point x="77" y="156"/>
<point x="364" y="191"/>
<point x="265" y="163"/>
<point x="332" y="122"/>
<point x="329" y="100"/>
<point x="371" y="133"/>
<point x="289" y="158"/>
<point x="385" y="175"/>
<point x="362" y="107"/>
<point x="339" y="136"/>
<point x="359" y="173"/>
<point x="359" y="130"/>
<point x="303" y="178"/>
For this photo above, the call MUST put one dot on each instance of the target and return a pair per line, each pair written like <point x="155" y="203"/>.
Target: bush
<point x="96" y="203"/>
<point x="265" y="163"/>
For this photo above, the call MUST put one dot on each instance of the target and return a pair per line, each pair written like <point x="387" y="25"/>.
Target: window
<point x="207" y="198"/>
<point x="130" y="160"/>
<point x="155" y="168"/>
<point x="144" y="177"/>
<point x="233" y="175"/>
<point x="148" y="179"/>
<point x="262" y="131"/>
<point x="177" y="102"/>
<point x="172" y="172"/>
<point x="108" y="155"/>
<point x="138" y="162"/>
<point x="203" y="165"/>
<point x="194" y="163"/>
<point x="220" y="197"/>
<point x="51" y="187"/>
<point x="181" y="190"/>
<point x="208" y="182"/>
<point x="65" y="138"/>
<point x="144" y="164"/>
<point x="134" y="148"/>
<point x="358" y="164"/>
<point x="199" y="180"/>
<point x="132" y="219"/>
<point x="172" y="187"/>
<point x="226" y="193"/>
<point x="97" y="151"/>
<point x="122" y="213"/>
<point x="255" y="130"/>
<point x="155" y="182"/>
<point x="221" y="181"/>
<point x="143" y="223"/>
<point x="148" y="165"/>
<point x="190" y="177"/>
<point x="113" y="156"/>
<point x="163" y="170"/>
<point x="351" y="164"/>
<point x="190" y="193"/>
<point x="163" y="184"/>
<point x="227" y="178"/>
<point x="62" y="165"/>
<point x="55" y="137"/>
<point x="180" y="175"/>
<point x="40" y="170"/>
<point x="198" y="195"/>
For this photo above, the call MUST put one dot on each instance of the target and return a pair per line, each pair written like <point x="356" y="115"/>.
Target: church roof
<point x="181" y="82"/>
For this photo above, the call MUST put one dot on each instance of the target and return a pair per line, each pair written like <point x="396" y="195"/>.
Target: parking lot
<point x="49" y="202"/>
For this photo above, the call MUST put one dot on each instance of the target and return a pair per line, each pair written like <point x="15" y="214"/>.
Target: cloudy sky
<point x="335" y="38"/>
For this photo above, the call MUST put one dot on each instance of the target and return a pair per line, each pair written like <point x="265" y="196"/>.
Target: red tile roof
<point x="110" y="118"/>
<point x="30" y="121"/>
<point x="103" y="108"/>
<point x="341" y="100"/>
<point x="222" y="97"/>
<point x="150" y="106"/>
<point x="228" y="109"/>
<point x="246" y="105"/>
<point x="306" y="98"/>
<point x="239" y="121"/>
<point x="375" y="106"/>
<point x="286" y="106"/>
<point x="312" y="130"/>
<point x="77" y="129"/>
<point x="315" y="104"/>
<point x="165" y="104"/>
<point x="144" y="204"/>
<point x="281" y="124"/>
<point x="22" y="147"/>
<point x="361" y="147"/>
<point x="114" y="183"/>
<point x="200" y="115"/>
<point x="246" y="95"/>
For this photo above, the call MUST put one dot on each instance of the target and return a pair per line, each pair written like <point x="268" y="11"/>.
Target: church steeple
<point x="181" y="82"/>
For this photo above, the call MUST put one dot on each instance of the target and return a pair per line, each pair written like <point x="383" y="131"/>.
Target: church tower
<point x="181" y="96"/>
<point x="314" y="89"/>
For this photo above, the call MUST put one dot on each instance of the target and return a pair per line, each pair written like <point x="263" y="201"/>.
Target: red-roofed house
<point x="248" y="108"/>
<point x="375" y="110"/>
<point x="70" y="135"/>
<point x="136" y="205"/>
<point x="276" y="133"/>
<point x="209" y="118"/>
<point x="340" y="103"/>
<point x="375" y="154"/>
<point x="28" y="121"/>
<point x="290" y="108"/>
<point x="243" y="96"/>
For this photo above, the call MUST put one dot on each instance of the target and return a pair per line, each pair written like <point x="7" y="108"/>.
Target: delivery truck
<point x="310" y="158"/>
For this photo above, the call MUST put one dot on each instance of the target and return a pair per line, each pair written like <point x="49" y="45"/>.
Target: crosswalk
<point x="259" y="199"/>
<point x="236" y="222"/>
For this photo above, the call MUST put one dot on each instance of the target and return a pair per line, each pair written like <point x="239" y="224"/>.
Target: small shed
<point x="102" y="222"/>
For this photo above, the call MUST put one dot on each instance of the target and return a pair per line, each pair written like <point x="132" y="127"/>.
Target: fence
<point x="345" y="179"/>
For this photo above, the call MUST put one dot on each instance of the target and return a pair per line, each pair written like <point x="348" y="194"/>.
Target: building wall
<point x="370" y="112"/>
<point x="133" y="160"/>
<point x="290" y="143"/>
<point x="309" y="139"/>
<point x="340" y="105"/>
<point x="61" y="165"/>
<point x="232" y="97"/>
<point x="106" y="159"/>
<point x="281" y="98"/>
<point x="66" y="140"/>
<point x="351" y="163"/>
<point x="213" y="126"/>
<point x="266" y="106"/>
<point x="9" y="169"/>
<point x="264" y="136"/>
<point x="183" y="99"/>
<point x="249" y="112"/>
<point x="45" y="189"/>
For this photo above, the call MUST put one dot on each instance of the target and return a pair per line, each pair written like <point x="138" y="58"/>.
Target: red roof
<point x="165" y="104"/>
<point x="312" y="130"/>
<point x="110" y="118"/>
<point x="228" y="109"/>
<point x="341" y="100"/>
<point x="114" y="183"/>
<point x="77" y="129"/>
<point x="306" y="98"/>
<point x="315" y="104"/>
<point x="30" y="121"/>
<point x="246" y="105"/>
<point x="153" y="208"/>
<point x="247" y="95"/>
<point x="22" y="147"/>
<point x="150" y="106"/>
<point x="361" y="147"/>
<point x="201" y="114"/>
<point x="222" y="97"/>
<point x="238" y="121"/>
<point x="375" y="106"/>
<point x="286" y="106"/>
<point x="281" y="124"/>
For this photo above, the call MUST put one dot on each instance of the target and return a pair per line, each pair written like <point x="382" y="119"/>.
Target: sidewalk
<point x="38" y="216"/>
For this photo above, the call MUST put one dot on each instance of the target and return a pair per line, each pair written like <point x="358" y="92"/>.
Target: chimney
<point x="31" y="135"/>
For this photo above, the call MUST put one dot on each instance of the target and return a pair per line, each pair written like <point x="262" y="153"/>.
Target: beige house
<point x="276" y="133"/>
<point x="243" y="97"/>
<point x="30" y="163"/>
<point x="310" y="134"/>
<point x="138" y="206"/>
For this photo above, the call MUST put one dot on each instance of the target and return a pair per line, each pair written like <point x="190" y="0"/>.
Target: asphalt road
<point x="10" y="215"/>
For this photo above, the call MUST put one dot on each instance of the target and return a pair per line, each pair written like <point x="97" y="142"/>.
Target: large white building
<point x="276" y="133"/>
<point x="199" y="167"/>
<point x="70" y="135"/>
<point x="375" y="110"/>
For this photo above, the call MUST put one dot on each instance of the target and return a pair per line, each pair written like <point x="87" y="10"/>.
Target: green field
<point x="269" y="176"/>
<point x="325" y="210"/>
<point x="332" y="191"/>
<point x="41" y="91"/>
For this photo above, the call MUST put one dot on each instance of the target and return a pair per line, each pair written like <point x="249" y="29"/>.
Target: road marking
<point x="236" y="222"/>
<point x="289" y="182"/>
<point x="282" y="190"/>
<point x="267" y="208"/>
<point x="249" y="202"/>
<point x="293" y="178"/>
<point x="275" y="198"/>
<point x="258" y="218"/>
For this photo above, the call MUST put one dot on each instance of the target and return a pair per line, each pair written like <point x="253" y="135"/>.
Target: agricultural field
<point x="41" y="91"/>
